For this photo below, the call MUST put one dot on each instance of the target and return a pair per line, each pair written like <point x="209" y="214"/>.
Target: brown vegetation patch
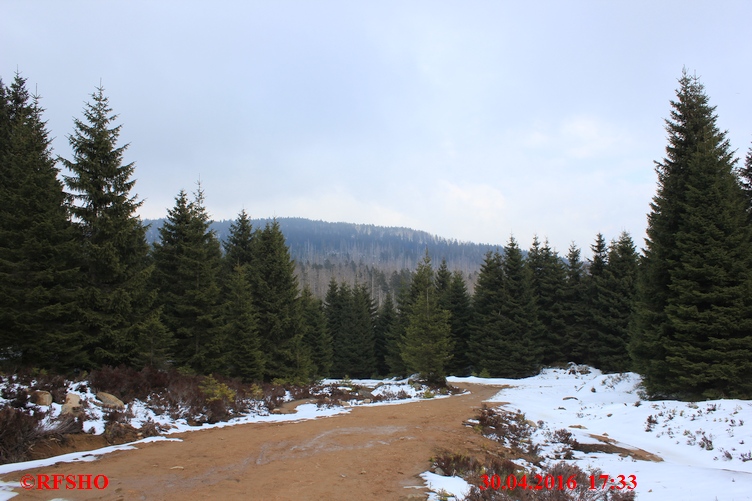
<point x="608" y="445"/>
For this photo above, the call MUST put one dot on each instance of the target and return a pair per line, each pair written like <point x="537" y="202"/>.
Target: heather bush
<point x="19" y="430"/>
<point x="510" y="429"/>
<point x="470" y="467"/>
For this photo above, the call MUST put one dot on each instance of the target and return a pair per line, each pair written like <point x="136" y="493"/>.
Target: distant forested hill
<point x="363" y="253"/>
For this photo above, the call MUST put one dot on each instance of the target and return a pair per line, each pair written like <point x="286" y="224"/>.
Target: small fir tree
<point x="427" y="346"/>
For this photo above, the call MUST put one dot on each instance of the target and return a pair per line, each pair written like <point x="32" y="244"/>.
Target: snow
<point x="456" y="487"/>
<point x="613" y="406"/>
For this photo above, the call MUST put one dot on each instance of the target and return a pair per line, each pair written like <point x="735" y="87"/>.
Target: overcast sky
<point x="472" y="120"/>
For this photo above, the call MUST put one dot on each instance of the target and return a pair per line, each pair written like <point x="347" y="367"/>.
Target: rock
<point x="41" y="397"/>
<point x="72" y="405"/>
<point x="365" y="393"/>
<point x="367" y="401"/>
<point x="110" y="401"/>
<point x="439" y="471"/>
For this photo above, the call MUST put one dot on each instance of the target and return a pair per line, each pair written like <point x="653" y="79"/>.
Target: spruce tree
<point x="574" y="308"/>
<point x="548" y="281"/>
<point x="745" y="180"/>
<point x="598" y="302"/>
<point x="364" y="313"/>
<point x="453" y="297"/>
<point x="487" y="348"/>
<point x="37" y="242"/>
<point x="239" y="244"/>
<point x="442" y="279"/>
<point x="408" y="293"/>
<point x="393" y="337"/>
<point x="426" y="347"/>
<point x="316" y="334"/>
<point x="692" y="335"/>
<point x="275" y="293"/>
<point x="393" y="341"/>
<point x="522" y="331"/>
<point x="351" y="319"/>
<point x="115" y="297"/>
<point x="617" y="297"/>
<point x="239" y="329"/>
<point x="188" y="261"/>
<point x="460" y="310"/>
<point x="383" y="333"/>
<point x="335" y="306"/>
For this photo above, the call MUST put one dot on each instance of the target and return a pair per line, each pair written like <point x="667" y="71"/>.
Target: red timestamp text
<point x="557" y="482"/>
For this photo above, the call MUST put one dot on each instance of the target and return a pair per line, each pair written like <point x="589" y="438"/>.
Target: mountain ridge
<point x="358" y="253"/>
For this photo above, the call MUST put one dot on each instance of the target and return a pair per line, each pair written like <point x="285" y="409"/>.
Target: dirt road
<point x="371" y="453"/>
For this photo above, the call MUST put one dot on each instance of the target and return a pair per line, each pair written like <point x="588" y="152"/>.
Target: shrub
<point x="471" y="468"/>
<point x="19" y="430"/>
<point x="213" y="390"/>
<point x="128" y="384"/>
<point x="510" y="429"/>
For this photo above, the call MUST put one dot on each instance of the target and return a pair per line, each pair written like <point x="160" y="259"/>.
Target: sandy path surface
<point x="370" y="453"/>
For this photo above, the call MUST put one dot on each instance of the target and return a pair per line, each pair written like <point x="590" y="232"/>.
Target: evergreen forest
<point x="85" y="283"/>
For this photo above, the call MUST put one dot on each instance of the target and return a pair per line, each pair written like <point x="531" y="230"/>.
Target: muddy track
<point x="370" y="453"/>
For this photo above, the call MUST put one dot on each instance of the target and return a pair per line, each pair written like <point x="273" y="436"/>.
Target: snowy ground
<point x="706" y="447"/>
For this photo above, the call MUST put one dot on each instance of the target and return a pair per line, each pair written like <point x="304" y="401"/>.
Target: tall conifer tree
<point x="460" y="310"/>
<point x="548" y="280"/>
<point x="239" y="329"/>
<point x="275" y="293"/>
<point x="316" y="334"/>
<point x="487" y="349"/>
<point x="384" y="334"/>
<point x="745" y="179"/>
<point x="188" y="260"/>
<point x="693" y="328"/>
<point x="598" y="301"/>
<point x="617" y="297"/>
<point x="37" y="241"/>
<point x="115" y="298"/>
<point x="574" y="307"/>
<point x="521" y="329"/>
